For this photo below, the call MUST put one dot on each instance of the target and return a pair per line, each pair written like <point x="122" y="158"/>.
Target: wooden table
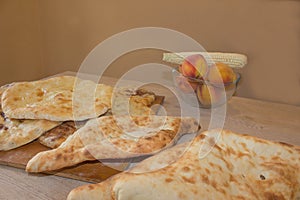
<point x="267" y="120"/>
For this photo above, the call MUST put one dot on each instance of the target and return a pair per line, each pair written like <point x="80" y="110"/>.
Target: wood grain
<point x="15" y="184"/>
<point x="89" y="171"/>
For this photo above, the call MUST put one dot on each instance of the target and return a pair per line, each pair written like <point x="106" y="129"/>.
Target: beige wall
<point x="20" y="41"/>
<point x="50" y="36"/>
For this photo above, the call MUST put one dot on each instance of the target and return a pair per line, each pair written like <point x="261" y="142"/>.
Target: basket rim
<point x="234" y="60"/>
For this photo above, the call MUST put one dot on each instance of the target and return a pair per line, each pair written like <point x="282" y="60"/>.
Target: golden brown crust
<point x="15" y="133"/>
<point x="112" y="137"/>
<point x="216" y="165"/>
<point x="127" y="101"/>
<point x="140" y="102"/>
<point x="58" y="99"/>
<point x="56" y="136"/>
<point x="145" y="134"/>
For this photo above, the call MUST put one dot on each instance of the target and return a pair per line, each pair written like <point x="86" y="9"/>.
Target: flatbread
<point x="140" y="102"/>
<point x="226" y="166"/>
<point x="63" y="98"/>
<point x="15" y="133"/>
<point x="128" y="101"/>
<point x="112" y="137"/>
<point x="56" y="136"/>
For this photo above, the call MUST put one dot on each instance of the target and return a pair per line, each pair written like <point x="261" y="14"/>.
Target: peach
<point x="221" y="73"/>
<point x="180" y="69"/>
<point x="185" y="85"/>
<point x="193" y="84"/>
<point x="208" y="95"/>
<point x="194" y="66"/>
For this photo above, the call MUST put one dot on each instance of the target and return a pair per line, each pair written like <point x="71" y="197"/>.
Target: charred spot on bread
<point x="262" y="177"/>
<point x="3" y="115"/>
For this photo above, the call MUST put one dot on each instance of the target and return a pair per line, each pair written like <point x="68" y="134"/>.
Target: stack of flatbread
<point x="45" y="109"/>
<point x="216" y="165"/>
<point x="17" y="132"/>
<point x="29" y="109"/>
<point x="124" y="101"/>
<point x="81" y="120"/>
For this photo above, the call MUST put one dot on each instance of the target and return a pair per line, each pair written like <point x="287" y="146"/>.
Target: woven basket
<point x="234" y="60"/>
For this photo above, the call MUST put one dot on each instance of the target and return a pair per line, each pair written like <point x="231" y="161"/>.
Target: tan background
<point x="41" y="38"/>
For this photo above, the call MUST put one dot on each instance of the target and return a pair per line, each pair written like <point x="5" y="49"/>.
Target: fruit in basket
<point x="194" y="66"/>
<point x="180" y="69"/>
<point x="193" y="84"/>
<point x="185" y="85"/>
<point x="208" y="95"/>
<point x="221" y="73"/>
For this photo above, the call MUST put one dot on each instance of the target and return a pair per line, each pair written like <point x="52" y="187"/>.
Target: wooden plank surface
<point x="89" y="171"/>
<point x="267" y="120"/>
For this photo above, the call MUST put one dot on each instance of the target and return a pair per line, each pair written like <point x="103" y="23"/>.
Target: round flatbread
<point x="63" y="98"/>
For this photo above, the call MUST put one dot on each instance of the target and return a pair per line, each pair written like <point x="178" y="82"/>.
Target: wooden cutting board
<point x="93" y="171"/>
